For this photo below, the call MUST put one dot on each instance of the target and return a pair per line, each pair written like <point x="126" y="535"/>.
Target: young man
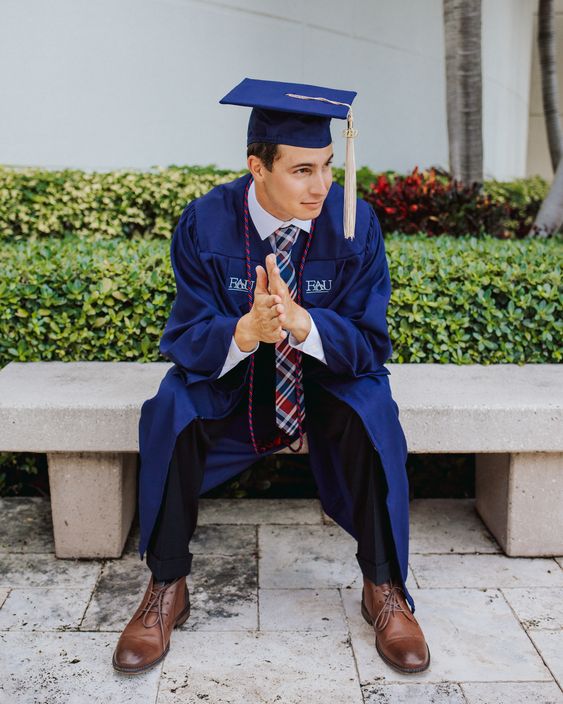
<point x="278" y="328"/>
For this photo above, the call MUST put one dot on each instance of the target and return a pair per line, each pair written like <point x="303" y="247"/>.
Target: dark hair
<point x="266" y="152"/>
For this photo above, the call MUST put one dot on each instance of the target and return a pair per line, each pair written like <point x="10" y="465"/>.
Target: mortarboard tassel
<point x="350" y="179"/>
<point x="349" y="165"/>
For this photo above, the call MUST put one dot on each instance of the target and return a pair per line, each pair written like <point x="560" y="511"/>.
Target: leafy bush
<point x="432" y="202"/>
<point x="470" y="300"/>
<point x="85" y="271"/>
<point x="459" y="300"/>
<point x="36" y="203"/>
<point x="23" y="473"/>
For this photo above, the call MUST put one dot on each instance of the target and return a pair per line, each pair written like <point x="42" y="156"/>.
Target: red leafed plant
<point x="431" y="201"/>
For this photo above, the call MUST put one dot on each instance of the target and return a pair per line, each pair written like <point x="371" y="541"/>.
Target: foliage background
<point x="85" y="275"/>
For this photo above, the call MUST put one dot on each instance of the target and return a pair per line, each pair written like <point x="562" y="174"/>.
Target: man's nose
<point x="318" y="185"/>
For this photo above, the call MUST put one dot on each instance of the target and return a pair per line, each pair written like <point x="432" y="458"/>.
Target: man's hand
<point x="263" y="323"/>
<point x="291" y="315"/>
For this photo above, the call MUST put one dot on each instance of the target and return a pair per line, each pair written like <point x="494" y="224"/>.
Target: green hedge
<point x="460" y="300"/>
<point x="36" y="203"/>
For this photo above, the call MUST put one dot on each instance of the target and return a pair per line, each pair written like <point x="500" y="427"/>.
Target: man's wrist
<point x="244" y="334"/>
<point x="301" y="329"/>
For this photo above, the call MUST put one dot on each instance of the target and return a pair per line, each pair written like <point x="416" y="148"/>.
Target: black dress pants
<point x="168" y="555"/>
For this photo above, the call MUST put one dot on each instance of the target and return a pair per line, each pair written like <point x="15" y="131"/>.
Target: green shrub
<point x="432" y="202"/>
<point x="475" y="300"/>
<point x="23" y="473"/>
<point x="459" y="300"/>
<point x="35" y="203"/>
<point x="39" y="204"/>
<point x="520" y="192"/>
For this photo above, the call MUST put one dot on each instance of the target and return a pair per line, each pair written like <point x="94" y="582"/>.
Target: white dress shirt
<point x="266" y="225"/>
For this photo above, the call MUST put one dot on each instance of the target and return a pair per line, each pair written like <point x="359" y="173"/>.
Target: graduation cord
<point x="282" y="439"/>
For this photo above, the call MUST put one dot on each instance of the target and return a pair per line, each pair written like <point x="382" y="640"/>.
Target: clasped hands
<point x="274" y="313"/>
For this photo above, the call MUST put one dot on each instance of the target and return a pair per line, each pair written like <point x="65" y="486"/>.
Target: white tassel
<point x="350" y="179"/>
<point x="350" y="195"/>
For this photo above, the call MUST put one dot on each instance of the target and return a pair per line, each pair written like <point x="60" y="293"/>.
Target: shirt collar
<point x="264" y="222"/>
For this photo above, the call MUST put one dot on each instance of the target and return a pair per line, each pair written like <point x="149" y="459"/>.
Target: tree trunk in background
<point x="550" y="216"/>
<point x="548" y="68"/>
<point x="462" y="28"/>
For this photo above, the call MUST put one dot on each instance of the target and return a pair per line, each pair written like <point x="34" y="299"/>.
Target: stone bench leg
<point x="93" y="501"/>
<point x="519" y="496"/>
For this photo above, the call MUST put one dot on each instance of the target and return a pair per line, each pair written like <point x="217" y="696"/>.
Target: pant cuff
<point x="171" y="568"/>
<point x="376" y="572"/>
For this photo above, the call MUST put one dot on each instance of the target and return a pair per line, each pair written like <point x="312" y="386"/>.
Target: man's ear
<point x="256" y="167"/>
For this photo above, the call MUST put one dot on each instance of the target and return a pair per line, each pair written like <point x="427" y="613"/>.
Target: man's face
<point x="298" y="183"/>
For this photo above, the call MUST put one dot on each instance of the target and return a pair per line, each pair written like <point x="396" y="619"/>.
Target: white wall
<point x="135" y="83"/>
<point x="506" y="57"/>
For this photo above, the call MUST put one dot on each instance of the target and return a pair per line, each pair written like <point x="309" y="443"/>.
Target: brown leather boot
<point x="145" y="641"/>
<point x="398" y="637"/>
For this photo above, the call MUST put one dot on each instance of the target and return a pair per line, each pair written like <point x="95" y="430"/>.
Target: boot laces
<point x="154" y="605"/>
<point x="390" y="605"/>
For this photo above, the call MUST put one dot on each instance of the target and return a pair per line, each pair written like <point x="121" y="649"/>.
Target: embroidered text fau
<point x="238" y="284"/>
<point x="318" y="285"/>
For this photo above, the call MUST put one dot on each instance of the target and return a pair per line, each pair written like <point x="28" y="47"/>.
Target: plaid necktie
<point x="288" y="370"/>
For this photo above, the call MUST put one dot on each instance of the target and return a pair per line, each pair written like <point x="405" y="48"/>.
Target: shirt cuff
<point x="234" y="356"/>
<point x="311" y="345"/>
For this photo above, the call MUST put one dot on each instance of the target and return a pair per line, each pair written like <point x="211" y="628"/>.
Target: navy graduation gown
<point x="346" y="289"/>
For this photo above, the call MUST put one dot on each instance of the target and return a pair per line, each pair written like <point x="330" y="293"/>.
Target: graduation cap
<point x="299" y="115"/>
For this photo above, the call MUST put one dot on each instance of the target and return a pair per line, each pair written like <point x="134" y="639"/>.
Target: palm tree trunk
<point x="546" y="48"/>
<point x="462" y="28"/>
<point x="550" y="216"/>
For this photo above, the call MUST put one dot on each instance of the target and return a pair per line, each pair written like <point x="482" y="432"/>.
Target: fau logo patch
<point x="238" y="284"/>
<point x="318" y="285"/>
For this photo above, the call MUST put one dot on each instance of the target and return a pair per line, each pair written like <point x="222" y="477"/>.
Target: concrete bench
<point x="85" y="415"/>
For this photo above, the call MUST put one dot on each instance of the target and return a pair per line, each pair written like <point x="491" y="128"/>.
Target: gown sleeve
<point x="198" y="334"/>
<point x="354" y="334"/>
